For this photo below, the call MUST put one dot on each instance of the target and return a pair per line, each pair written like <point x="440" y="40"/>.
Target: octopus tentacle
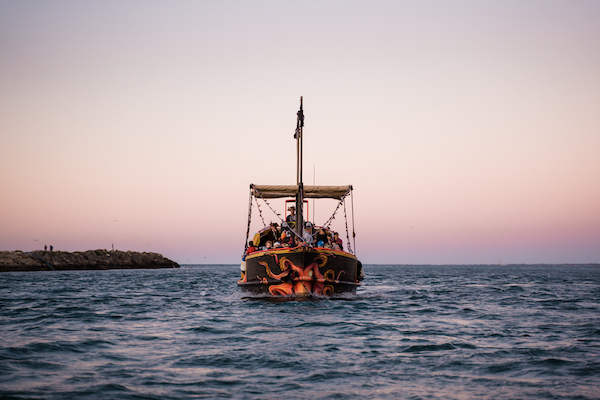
<point x="283" y="263"/>
<point x="324" y="260"/>
<point x="329" y="275"/>
<point x="328" y="290"/>
<point x="271" y="274"/>
<point x="281" y="290"/>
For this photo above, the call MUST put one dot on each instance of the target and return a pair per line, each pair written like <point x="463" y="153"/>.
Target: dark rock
<point x="91" y="259"/>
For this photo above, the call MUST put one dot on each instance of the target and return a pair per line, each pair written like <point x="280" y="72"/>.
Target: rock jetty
<point x="92" y="259"/>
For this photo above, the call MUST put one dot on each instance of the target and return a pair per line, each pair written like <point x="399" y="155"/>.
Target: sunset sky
<point x="470" y="130"/>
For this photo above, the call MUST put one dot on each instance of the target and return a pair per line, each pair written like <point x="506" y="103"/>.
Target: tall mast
<point x="300" y="193"/>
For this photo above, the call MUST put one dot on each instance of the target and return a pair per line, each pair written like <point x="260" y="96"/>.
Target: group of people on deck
<point x="284" y="236"/>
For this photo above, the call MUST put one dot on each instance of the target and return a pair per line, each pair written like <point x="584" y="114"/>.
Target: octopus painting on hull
<point x="304" y="280"/>
<point x="300" y="273"/>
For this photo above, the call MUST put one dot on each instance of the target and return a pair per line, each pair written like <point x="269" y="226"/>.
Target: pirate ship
<point x="295" y="257"/>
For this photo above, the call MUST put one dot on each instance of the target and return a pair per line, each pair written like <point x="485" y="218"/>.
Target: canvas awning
<point x="310" y="192"/>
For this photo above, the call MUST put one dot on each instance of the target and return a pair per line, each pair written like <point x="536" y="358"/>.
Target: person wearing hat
<point x="337" y="240"/>
<point x="291" y="219"/>
<point x="308" y="233"/>
<point x="275" y="232"/>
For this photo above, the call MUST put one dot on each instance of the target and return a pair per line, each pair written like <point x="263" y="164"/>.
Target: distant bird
<point x="114" y="220"/>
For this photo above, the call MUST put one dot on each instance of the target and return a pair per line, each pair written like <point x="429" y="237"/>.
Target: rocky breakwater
<point x="91" y="259"/>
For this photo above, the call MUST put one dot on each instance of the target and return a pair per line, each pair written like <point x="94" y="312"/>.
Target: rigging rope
<point x="347" y="233"/>
<point x="260" y="212"/>
<point x="330" y="220"/>
<point x="257" y="194"/>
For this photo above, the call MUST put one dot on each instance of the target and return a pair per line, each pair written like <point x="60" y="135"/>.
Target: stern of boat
<point x="301" y="271"/>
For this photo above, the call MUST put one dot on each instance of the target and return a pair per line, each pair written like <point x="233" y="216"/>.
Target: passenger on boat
<point x="291" y="219"/>
<point x="337" y="240"/>
<point x="268" y="245"/>
<point x="275" y="230"/>
<point x="322" y="236"/>
<point x="308" y="233"/>
<point x="288" y="239"/>
<point x="251" y="248"/>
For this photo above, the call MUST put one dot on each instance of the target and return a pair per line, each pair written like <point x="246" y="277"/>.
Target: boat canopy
<point x="310" y="192"/>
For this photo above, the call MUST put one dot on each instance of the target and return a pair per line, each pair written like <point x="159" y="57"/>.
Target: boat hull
<point x="301" y="271"/>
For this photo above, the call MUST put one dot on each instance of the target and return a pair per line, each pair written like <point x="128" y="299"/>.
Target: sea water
<point x="410" y="332"/>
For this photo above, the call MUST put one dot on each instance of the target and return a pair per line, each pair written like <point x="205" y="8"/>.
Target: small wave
<point x="589" y="369"/>
<point x="430" y="347"/>
<point x="553" y="362"/>
<point x="209" y="329"/>
<point x="511" y="366"/>
<point x="44" y="347"/>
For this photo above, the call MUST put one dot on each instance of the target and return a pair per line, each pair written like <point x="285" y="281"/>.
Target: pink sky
<point x="469" y="130"/>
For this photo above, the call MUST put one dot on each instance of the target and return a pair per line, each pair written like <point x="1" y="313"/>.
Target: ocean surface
<point x="410" y="332"/>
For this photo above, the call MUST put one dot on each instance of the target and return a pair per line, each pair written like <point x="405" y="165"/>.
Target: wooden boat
<point x="309" y="260"/>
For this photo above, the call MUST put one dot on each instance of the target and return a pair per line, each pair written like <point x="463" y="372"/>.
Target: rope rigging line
<point x="257" y="194"/>
<point x="260" y="212"/>
<point x="274" y="212"/>
<point x="330" y="220"/>
<point x="347" y="233"/>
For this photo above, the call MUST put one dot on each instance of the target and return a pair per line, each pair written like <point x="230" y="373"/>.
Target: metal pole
<point x="353" y="232"/>
<point x="249" y="219"/>
<point x="314" y="183"/>
<point x="301" y="116"/>
<point x="300" y="194"/>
